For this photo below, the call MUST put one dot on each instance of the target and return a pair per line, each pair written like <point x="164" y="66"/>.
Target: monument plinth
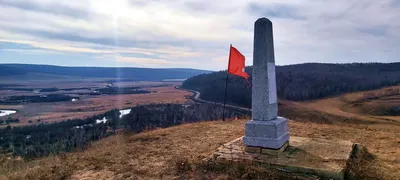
<point x="266" y="130"/>
<point x="304" y="157"/>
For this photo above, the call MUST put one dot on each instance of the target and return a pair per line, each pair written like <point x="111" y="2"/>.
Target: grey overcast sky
<point x="195" y="34"/>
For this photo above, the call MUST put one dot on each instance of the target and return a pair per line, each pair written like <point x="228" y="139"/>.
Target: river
<point x="6" y="112"/>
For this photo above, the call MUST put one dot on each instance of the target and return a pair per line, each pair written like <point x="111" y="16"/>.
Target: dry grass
<point x="176" y="153"/>
<point x="148" y="155"/>
<point x="350" y="107"/>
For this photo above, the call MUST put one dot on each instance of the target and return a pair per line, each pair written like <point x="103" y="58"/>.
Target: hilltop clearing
<point x="176" y="152"/>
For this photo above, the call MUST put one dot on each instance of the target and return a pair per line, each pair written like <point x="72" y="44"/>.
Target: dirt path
<point x="196" y="98"/>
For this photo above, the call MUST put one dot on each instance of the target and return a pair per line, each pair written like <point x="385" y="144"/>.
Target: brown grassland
<point x="93" y="105"/>
<point x="177" y="152"/>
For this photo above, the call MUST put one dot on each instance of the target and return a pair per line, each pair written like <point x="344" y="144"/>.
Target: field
<point x="177" y="152"/>
<point x="87" y="104"/>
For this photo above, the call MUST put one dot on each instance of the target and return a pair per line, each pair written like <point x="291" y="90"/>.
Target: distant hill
<point x="300" y="82"/>
<point x="21" y="71"/>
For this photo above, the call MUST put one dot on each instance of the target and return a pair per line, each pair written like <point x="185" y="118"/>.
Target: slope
<point x="176" y="153"/>
<point x="358" y="107"/>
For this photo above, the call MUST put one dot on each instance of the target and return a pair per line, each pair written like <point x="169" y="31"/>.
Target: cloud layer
<point x="195" y="34"/>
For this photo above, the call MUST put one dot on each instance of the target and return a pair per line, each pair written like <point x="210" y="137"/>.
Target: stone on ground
<point x="325" y="158"/>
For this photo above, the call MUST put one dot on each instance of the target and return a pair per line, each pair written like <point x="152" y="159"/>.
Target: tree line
<point x="39" y="140"/>
<point x="37" y="99"/>
<point x="166" y="115"/>
<point x="300" y="82"/>
<point x="122" y="90"/>
<point x="8" y="121"/>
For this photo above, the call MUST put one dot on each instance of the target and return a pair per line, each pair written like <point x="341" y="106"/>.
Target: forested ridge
<point x="22" y="71"/>
<point x="300" y="82"/>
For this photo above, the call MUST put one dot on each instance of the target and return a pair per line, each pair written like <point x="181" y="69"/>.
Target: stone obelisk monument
<point x="266" y="135"/>
<point x="266" y="130"/>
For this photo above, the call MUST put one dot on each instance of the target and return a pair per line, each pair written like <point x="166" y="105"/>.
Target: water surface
<point x="6" y="112"/>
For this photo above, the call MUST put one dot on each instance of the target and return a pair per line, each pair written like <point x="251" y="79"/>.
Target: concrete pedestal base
<point x="251" y="149"/>
<point x="271" y="134"/>
<point x="308" y="156"/>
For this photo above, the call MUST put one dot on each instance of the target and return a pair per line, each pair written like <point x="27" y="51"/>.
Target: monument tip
<point x="263" y="20"/>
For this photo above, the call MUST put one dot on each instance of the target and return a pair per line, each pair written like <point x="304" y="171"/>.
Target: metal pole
<point x="226" y="83"/>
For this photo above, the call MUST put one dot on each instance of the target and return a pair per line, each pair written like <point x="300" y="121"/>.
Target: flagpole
<point x="226" y="83"/>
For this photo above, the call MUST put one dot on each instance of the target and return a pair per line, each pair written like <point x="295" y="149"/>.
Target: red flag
<point x="236" y="63"/>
